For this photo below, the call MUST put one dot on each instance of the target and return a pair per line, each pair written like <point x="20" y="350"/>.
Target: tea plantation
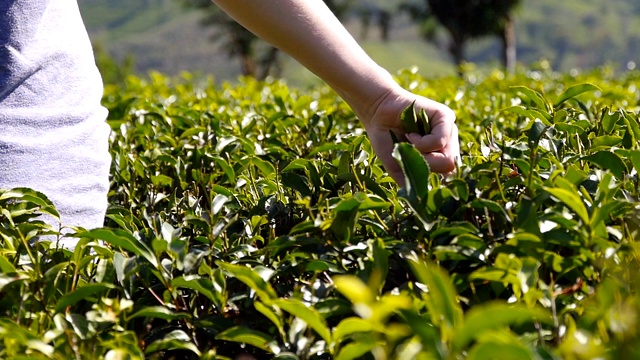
<point x="253" y="219"/>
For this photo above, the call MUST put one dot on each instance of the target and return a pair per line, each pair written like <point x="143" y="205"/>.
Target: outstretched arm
<point x="309" y="32"/>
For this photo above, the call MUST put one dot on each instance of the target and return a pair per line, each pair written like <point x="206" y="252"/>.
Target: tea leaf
<point x="309" y="315"/>
<point x="175" y="340"/>
<point x="572" y="200"/>
<point x="409" y="119"/>
<point x="424" y="126"/>
<point x="416" y="171"/>
<point x="123" y="240"/>
<point x="198" y="284"/>
<point x="608" y="161"/>
<point x="81" y="293"/>
<point x="444" y="309"/>
<point x="252" y="279"/>
<point x="493" y="316"/>
<point x="158" y="312"/>
<point x="574" y="91"/>
<point x="350" y="326"/>
<point x="245" y="335"/>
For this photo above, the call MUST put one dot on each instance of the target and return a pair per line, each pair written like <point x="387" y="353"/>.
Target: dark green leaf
<point x="608" y="161"/>
<point x="198" y="284"/>
<point x="252" y="279"/>
<point x="158" y="312"/>
<point x="409" y="119"/>
<point x="536" y="132"/>
<point x="82" y="293"/>
<point x="122" y="239"/>
<point x="416" y="171"/>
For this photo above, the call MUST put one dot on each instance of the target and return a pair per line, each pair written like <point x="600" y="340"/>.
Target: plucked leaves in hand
<point x="414" y="121"/>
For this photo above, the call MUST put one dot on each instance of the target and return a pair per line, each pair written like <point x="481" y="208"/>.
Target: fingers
<point x="441" y="161"/>
<point x="442" y="124"/>
<point x="444" y="161"/>
<point x="441" y="147"/>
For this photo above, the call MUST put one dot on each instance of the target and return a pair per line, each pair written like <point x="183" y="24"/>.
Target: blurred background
<point x="437" y="36"/>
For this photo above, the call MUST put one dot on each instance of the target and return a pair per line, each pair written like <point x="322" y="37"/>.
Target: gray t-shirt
<point x="53" y="134"/>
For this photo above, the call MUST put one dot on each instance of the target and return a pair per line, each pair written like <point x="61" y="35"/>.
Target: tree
<point x="468" y="19"/>
<point x="257" y="58"/>
<point x="368" y="13"/>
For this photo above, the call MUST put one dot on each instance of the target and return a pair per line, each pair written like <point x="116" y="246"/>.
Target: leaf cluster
<point x="255" y="219"/>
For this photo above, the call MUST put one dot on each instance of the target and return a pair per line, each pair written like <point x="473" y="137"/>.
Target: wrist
<point x="367" y="92"/>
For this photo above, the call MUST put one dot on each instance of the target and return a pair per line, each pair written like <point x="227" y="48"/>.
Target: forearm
<point x="310" y="33"/>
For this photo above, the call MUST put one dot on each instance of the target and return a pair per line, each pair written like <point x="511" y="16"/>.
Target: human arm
<point x="309" y="32"/>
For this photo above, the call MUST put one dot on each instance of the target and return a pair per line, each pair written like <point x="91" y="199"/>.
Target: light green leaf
<point x="572" y="200"/>
<point x="6" y="266"/>
<point x="175" y="340"/>
<point x="442" y="301"/>
<point x="267" y="311"/>
<point x="36" y="197"/>
<point x="532" y="114"/>
<point x="307" y="314"/>
<point x="492" y="316"/>
<point x="409" y="119"/>
<point x="609" y="120"/>
<point x="245" y="335"/>
<point x="574" y="91"/>
<point x="500" y="350"/>
<point x="424" y="126"/>
<point x="226" y="168"/>
<point x="353" y="289"/>
<point x="355" y="350"/>
<point x="350" y="326"/>
<point x="533" y="96"/>
<point x="159" y="312"/>
<point x="161" y="180"/>
<point x="606" y="141"/>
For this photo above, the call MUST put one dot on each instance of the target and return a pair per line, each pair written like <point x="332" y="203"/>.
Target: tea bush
<point x="255" y="219"/>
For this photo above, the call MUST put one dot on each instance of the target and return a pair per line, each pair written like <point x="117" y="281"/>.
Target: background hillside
<point x="162" y="35"/>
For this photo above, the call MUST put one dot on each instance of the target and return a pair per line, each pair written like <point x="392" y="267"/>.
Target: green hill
<point x="163" y="36"/>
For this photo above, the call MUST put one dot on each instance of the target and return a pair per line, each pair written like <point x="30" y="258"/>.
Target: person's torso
<point x="53" y="133"/>
<point x="46" y="65"/>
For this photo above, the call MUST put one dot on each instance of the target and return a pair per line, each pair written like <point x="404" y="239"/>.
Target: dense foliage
<point x="254" y="218"/>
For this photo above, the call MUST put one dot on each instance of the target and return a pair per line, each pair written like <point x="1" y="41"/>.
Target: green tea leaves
<point x="574" y="91"/>
<point x="414" y="121"/>
<point x="256" y="218"/>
